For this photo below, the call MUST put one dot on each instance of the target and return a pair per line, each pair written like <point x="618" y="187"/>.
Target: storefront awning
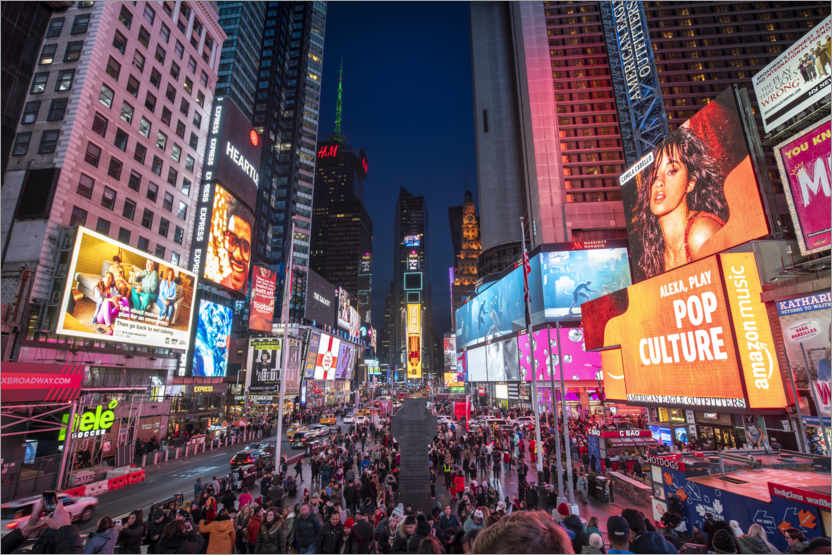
<point x="632" y="442"/>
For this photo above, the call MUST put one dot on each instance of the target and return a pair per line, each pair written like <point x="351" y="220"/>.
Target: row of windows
<point x="80" y="24"/>
<point x="71" y="54"/>
<point x="48" y="142"/>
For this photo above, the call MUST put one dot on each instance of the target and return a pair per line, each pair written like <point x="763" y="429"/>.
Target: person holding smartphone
<point x="52" y="533"/>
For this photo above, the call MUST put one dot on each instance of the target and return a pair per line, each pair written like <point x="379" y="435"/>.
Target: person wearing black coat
<point x="176" y="539"/>
<point x="131" y="536"/>
<point x="306" y="529"/>
<point x="56" y="535"/>
<point x="331" y="538"/>
<point x="361" y="536"/>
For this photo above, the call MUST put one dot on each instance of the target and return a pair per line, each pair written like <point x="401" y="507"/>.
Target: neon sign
<point x="328" y="151"/>
<point x="364" y="164"/>
<point x="90" y="423"/>
<point x="254" y="137"/>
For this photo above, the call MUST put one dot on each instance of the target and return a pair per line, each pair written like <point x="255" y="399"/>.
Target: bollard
<point x="187" y="449"/>
<point x="167" y="454"/>
<point x="144" y="459"/>
<point x="178" y="453"/>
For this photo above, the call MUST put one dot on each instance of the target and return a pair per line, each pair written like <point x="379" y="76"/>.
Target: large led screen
<point x="578" y="364"/>
<point x="496" y="311"/>
<point x="320" y="300"/>
<point x="328" y="350"/>
<point x="501" y="360"/>
<point x="343" y="309"/>
<point x="806" y="323"/>
<point x="117" y="293"/>
<point x="572" y="277"/>
<point x="477" y="371"/>
<point x="212" y="340"/>
<point x="265" y="360"/>
<point x="691" y="338"/>
<point x="311" y="354"/>
<point x="228" y="253"/>
<point x="694" y="195"/>
<point x="263" y="293"/>
<point x="346" y="355"/>
<point x="541" y="352"/>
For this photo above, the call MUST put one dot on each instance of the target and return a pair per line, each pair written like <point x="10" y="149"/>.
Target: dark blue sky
<point x="408" y="103"/>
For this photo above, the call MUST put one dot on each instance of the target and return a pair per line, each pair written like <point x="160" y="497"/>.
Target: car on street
<point x="247" y="456"/>
<point x="347" y="419"/>
<point x="267" y="446"/>
<point x="328" y="419"/>
<point x="301" y="437"/>
<point x="17" y="513"/>
<point x="294" y="428"/>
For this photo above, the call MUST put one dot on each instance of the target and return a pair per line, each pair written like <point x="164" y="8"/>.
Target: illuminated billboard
<point x="228" y="251"/>
<point x="343" y="308"/>
<point x="414" y="357"/>
<point x="796" y="79"/>
<point x="578" y="363"/>
<point x="266" y="362"/>
<point x="413" y="281"/>
<point x="414" y="319"/>
<point x="346" y="359"/>
<point x="117" y="293"/>
<point x="806" y="323"/>
<point x="803" y="161"/>
<point x="327" y="360"/>
<point x="212" y="340"/>
<point x="311" y="354"/>
<point x="451" y="381"/>
<point x="476" y="365"/>
<point x="449" y="352"/>
<point x="412" y="240"/>
<point x="689" y="338"/>
<point x="355" y="322"/>
<point x="502" y="363"/>
<point x="694" y="195"/>
<point x="320" y="299"/>
<point x="263" y="295"/>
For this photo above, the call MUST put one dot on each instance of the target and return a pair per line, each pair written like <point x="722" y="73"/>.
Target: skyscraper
<point x="342" y="232"/>
<point x="550" y="144"/>
<point x="465" y="234"/>
<point x="243" y="23"/>
<point x="286" y="115"/>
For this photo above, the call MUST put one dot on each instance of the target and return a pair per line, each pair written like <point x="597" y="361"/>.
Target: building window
<point x="157" y="166"/>
<point x="138" y="60"/>
<point x="182" y="211"/>
<point x="108" y="198"/>
<point x="160" y="54"/>
<point x="93" y="154"/>
<point x="57" y="109"/>
<point x="88" y="4"/>
<point x="152" y="191"/>
<point x="21" y="143"/>
<point x="184" y="107"/>
<point x="150" y="102"/>
<point x="129" y="209"/>
<point x="119" y="42"/>
<point x="99" y="124"/>
<point x="186" y="186"/>
<point x="200" y="99"/>
<point x="164" y="227"/>
<point x="174" y="70"/>
<point x="161" y="140"/>
<point x="166" y="115"/>
<point x="144" y="36"/>
<point x="56" y="25"/>
<point x="78" y="217"/>
<point x="167" y="202"/>
<point x="149" y="14"/>
<point x="124" y="235"/>
<point x="147" y="218"/>
<point x="197" y="121"/>
<point x="165" y="33"/>
<point x="193" y="141"/>
<point x="178" y="235"/>
<point x="180" y="129"/>
<point x="189" y="163"/>
<point x="143" y="244"/>
<point x="102" y="226"/>
<point x="85" y="186"/>
<point x="126" y="112"/>
<point x="160" y="251"/>
<point x="191" y="64"/>
<point x="155" y="78"/>
<point x="106" y="95"/>
<point x="126" y="17"/>
<point x="80" y="24"/>
<point x="144" y="127"/>
<point x="189" y="85"/>
<point x="174" y="258"/>
<point x="203" y="77"/>
<point x="39" y="82"/>
<point x="47" y="54"/>
<point x="173" y="176"/>
<point x="48" y="141"/>
<point x="179" y="49"/>
<point x="65" y="78"/>
<point x="135" y="181"/>
<point x="140" y="153"/>
<point x="115" y="168"/>
<point x="133" y="86"/>
<point x="121" y="140"/>
<point x="170" y="93"/>
<point x="30" y="112"/>
<point x="176" y="152"/>
<point x="113" y="68"/>
<point x="73" y="51"/>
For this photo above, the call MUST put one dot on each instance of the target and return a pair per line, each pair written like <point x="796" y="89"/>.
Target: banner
<point x="693" y="196"/>
<point x="414" y="356"/>
<point x="265" y="372"/>
<point x="27" y="382"/>
<point x="414" y="319"/>
<point x="795" y="79"/>
<point x="117" y="293"/>
<point x="804" y="165"/>
<point x="262" y="299"/>
<point x="228" y="251"/>
<point x="212" y="340"/>
<point x="806" y="323"/>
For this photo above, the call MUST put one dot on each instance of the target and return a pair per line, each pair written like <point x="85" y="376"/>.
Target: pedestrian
<point x="306" y="530"/>
<point x="269" y="534"/>
<point x="220" y="532"/>
<point x="103" y="540"/>
<point x="131" y="535"/>
<point x="197" y="489"/>
<point x="331" y="536"/>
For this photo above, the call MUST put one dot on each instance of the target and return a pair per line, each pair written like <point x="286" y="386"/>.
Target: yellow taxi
<point x="328" y="419"/>
<point x="290" y="433"/>
<point x="365" y="412"/>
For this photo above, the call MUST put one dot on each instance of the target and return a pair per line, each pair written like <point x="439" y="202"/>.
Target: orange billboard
<point x="671" y="340"/>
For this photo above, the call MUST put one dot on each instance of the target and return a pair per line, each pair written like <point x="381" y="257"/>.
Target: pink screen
<point x="577" y="363"/>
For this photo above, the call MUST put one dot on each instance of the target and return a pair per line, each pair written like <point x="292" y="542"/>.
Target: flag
<point x="527" y="268"/>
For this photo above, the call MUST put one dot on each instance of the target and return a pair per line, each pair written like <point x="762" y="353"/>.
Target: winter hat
<point x="478" y="514"/>
<point x="618" y="528"/>
<point x="563" y="510"/>
<point x="596" y="541"/>
<point x="409" y="519"/>
<point x="724" y="542"/>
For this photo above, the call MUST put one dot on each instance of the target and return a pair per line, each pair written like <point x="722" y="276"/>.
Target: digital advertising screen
<point x="477" y="371"/>
<point x="293" y="366"/>
<point x="262" y="299"/>
<point x="689" y="338"/>
<point x="343" y="309"/>
<point x="451" y="382"/>
<point x="461" y="368"/>
<point x="414" y="357"/>
<point x="117" y="293"/>
<point x="803" y="161"/>
<point x="449" y="352"/>
<point x="265" y="362"/>
<point x="328" y="350"/>
<point x="414" y="319"/>
<point x="578" y="364"/>
<point x="806" y="322"/>
<point x="311" y="354"/>
<point x="694" y="195"/>
<point x="541" y="352"/>
<point x="355" y="322"/>
<point x="320" y="299"/>
<point x="345" y="359"/>
<point x="501" y="360"/>
<point x="228" y="251"/>
<point x="212" y="339"/>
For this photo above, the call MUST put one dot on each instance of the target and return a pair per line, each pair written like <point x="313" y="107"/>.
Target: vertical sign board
<point x="638" y="95"/>
<point x="414" y="341"/>
<point x="806" y="172"/>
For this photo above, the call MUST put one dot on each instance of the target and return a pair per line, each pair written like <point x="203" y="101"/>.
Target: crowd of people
<point x="345" y="499"/>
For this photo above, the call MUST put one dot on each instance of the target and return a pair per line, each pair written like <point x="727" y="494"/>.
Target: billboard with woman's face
<point x="694" y="195"/>
<point x="228" y="253"/>
<point x="117" y="293"/>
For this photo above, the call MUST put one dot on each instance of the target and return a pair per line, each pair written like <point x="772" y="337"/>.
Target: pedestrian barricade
<point x="96" y="488"/>
<point x="75" y="492"/>
<point x="116" y="483"/>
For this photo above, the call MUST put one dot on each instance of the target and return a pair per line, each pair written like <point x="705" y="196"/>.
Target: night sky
<point x="408" y="103"/>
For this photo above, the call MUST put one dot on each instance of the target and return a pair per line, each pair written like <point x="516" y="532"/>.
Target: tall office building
<point x="286" y="116"/>
<point x="465" y="234"/>
<point x="342" y="232"/>
<point x="387" y="331"/>
<point x="111" y="135"/>
<point x="550" y="145"/>
<point x="243" y="23"/>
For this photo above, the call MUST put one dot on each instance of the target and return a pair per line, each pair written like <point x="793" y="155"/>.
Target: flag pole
<point x="535" y="402"/>
<point x="284" y="349"/>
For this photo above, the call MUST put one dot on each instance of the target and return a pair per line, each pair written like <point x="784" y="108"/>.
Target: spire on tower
<point x="338" y="107"/>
